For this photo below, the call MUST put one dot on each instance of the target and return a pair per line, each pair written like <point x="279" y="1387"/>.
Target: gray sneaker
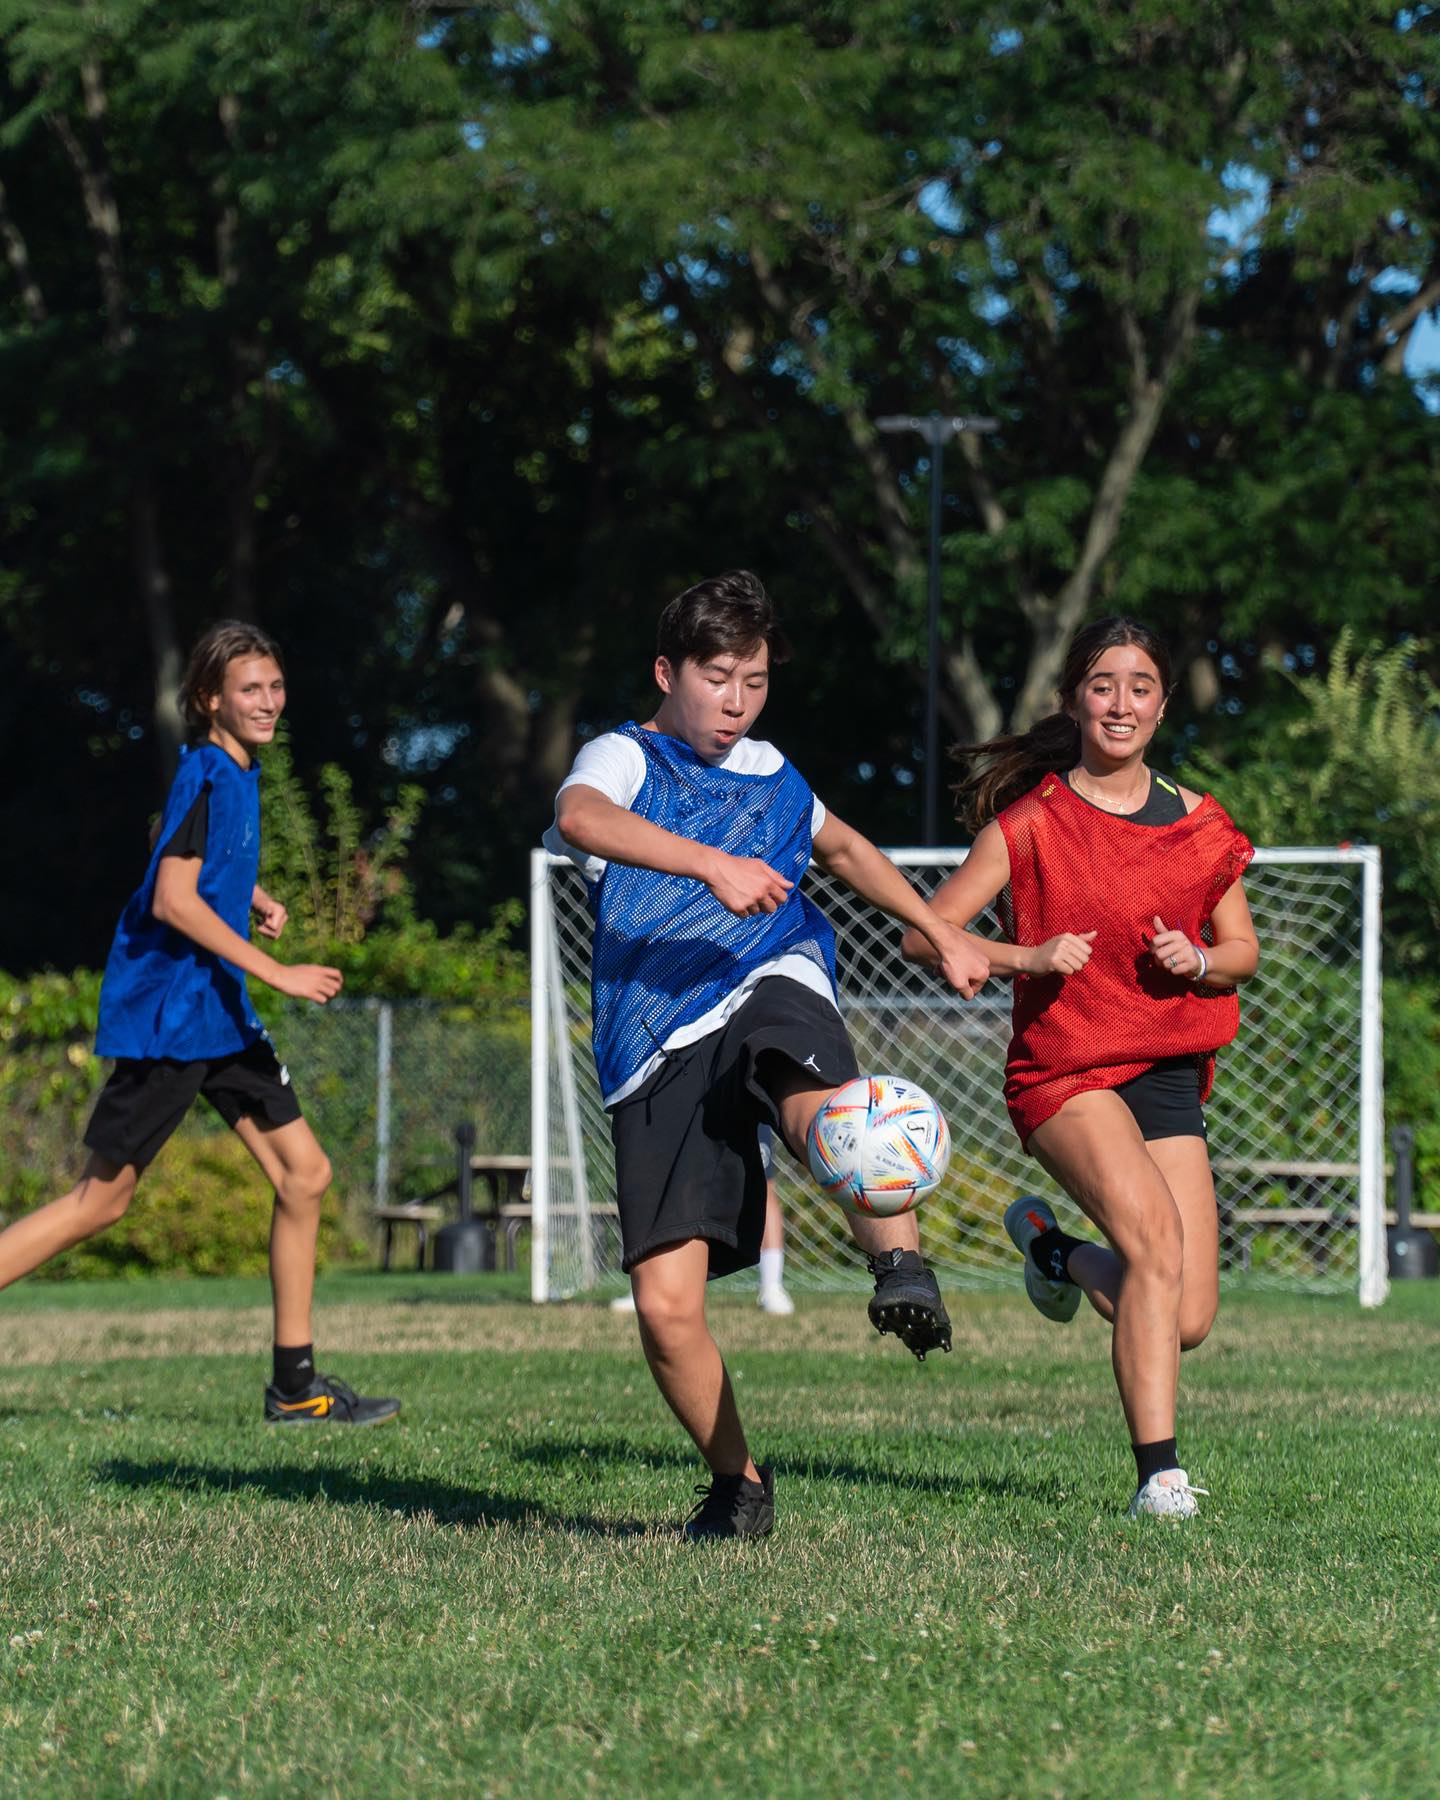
<point x="1025" y="1219"/>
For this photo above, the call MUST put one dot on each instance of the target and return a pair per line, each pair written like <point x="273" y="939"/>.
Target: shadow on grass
<point x="554" y="1452"/>
<point x="445" y="1502"/>
<point x="423" y="1287"/>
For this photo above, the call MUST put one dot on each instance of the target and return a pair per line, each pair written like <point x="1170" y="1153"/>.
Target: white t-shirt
<point x="615" y="767"/>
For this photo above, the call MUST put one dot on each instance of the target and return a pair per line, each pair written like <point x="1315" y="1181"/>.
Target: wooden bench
<point x="1322" y="1215"/>
<point x="514" y="1217"/>
<point x="1323" y="1219"/>
<point x="507" y="1177"/>
<point x="416" y="1213"/>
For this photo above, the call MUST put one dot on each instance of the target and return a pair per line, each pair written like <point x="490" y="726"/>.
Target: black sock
<point x="1150" y="1459"/>
<point x="1050" y="1253"/>
<point x="294" y="1367"/>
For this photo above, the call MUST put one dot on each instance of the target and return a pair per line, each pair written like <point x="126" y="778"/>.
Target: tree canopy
<point x="449" y="342"/>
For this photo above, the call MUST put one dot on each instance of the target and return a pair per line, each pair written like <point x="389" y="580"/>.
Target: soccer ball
<point x="879" y="1145"/>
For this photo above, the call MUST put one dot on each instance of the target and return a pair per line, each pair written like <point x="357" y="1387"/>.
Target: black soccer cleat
<point x="907" y="1301"/>
<point x="327" y="1401"/>
<point x="733" y="1507"/>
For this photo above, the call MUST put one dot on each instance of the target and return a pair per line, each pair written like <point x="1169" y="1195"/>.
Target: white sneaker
<point x="623" y="1303"/>
<point x="1167" y="1495"/>
<point x="1025" y="1219"/>
<point x="775" y="1300"/>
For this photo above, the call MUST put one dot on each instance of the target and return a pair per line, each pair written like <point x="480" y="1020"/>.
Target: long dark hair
<point x="997" y="772"/>
<point x="212" y="655"/>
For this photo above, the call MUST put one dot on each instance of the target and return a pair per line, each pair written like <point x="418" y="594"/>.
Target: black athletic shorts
<point x="1165" y="1100"/>
<point x="145" y="1099"/>
<point x="687" y="1148"/>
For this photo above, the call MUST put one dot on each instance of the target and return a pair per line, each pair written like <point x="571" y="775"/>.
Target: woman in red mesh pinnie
<point x="1122" y="892"/>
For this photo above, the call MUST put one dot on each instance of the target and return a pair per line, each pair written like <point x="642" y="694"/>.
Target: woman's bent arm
<point x="966" y="894"/>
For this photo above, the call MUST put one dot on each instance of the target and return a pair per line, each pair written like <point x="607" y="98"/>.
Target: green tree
<point x="1359" y="763"/>
<point x="882" y="208"/>
<point x="450" y="343"/>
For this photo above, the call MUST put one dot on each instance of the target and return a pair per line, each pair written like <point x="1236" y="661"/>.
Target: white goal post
<point x="1296" y="1119"/>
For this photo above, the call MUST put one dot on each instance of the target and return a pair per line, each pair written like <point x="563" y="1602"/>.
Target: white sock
<point x="772" y="1270"/>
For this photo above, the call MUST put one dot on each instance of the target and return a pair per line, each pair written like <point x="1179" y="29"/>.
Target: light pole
<point x="937" y="432"/>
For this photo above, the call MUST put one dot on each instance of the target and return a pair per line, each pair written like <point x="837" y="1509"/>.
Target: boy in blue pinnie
<point x="175" y="1015"/>
<point x="715" y="1006"/>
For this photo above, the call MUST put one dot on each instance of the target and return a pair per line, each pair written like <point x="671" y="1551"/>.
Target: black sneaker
<point x="733" y="1507"/>
<point x="327" y="1401"/>
<point x="907" y="1301"/>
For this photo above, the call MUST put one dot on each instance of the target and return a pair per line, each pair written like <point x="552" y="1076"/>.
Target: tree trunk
<point x="92" y="171"/>
<point x="159" y="620"/>
<point x="1054" y="626"/>
<point x="17" y="254"/>
<point x="247" y="464"/>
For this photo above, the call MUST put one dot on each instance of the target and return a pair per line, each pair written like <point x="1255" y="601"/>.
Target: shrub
<point x="1412" y="1077"/>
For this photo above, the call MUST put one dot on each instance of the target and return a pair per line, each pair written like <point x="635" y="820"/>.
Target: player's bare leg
<point x="299" y="1171"/>
<point x="669" y="1288"/>
<point x="100" y="1197"/>
<point x="774" y="1234"/>
<point x="1094" y="1149"/>
<point x="1184" y="1164"/>
<point x="772" y="1297"/>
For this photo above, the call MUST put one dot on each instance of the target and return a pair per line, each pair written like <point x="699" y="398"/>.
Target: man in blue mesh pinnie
<point x="715" y="1005"/>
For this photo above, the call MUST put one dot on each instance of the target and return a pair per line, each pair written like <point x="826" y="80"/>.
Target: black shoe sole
<point x="711" y="1537"/>
<point x="330" y="1419"/>
<point x="919" y="1328"/>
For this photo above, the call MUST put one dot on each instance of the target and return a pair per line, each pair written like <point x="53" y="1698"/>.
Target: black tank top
<point x="1164" y="804"/>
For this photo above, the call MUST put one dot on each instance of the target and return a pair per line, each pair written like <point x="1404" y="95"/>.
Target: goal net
<point x="1295" y="1121"/>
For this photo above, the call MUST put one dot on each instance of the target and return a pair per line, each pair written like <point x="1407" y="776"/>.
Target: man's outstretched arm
<point x="842" y="852"/>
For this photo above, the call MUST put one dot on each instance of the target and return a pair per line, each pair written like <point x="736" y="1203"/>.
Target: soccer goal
<point x="1295" y="1121"/>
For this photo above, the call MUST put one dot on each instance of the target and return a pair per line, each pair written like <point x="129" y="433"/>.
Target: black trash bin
<point x="466" y="1247"/>
<point x="1414" y="1255"/>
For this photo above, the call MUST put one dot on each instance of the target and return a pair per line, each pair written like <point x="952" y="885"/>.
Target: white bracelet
<point x="1199" y="974"/>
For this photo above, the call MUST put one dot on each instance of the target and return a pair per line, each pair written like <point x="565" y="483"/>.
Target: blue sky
<point x="1237" y="224"/>
<point x="1422" y="357"/>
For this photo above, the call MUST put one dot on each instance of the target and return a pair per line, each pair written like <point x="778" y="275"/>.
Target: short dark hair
<point x="724" y="615"/>
<point x="216" y="650"/>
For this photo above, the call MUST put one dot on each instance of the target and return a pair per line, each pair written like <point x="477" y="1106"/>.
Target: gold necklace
<point x="1109" y="805"/>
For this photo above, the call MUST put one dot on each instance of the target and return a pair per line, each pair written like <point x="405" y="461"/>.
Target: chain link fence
<point x="1295" y="1121"/>
<point x="386" y="1083"/>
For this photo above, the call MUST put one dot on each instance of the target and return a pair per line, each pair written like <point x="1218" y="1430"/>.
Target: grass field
<point x="490" y="1597"/>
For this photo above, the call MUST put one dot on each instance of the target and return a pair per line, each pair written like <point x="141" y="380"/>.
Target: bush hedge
<point x="450" y="1063"/>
